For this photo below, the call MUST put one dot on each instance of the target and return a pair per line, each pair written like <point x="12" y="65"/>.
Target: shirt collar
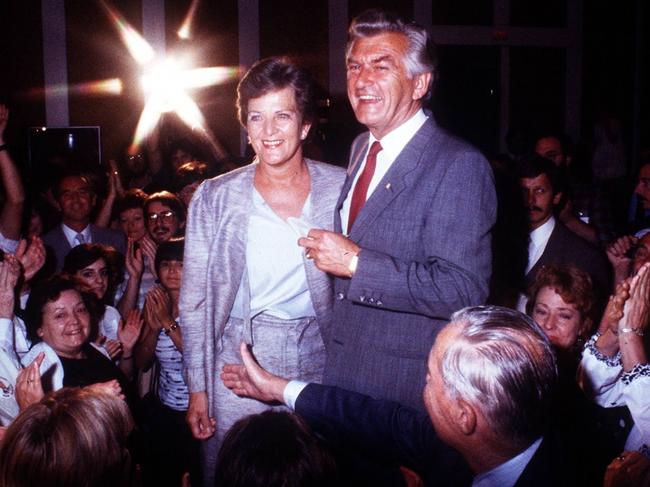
<point x="393" y="142"/>
<point x="70" y="234"/>
<point x="542" y="233"/>
<point x="506" y="474"/>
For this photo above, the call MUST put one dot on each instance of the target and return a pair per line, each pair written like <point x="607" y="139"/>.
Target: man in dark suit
<point x="551" y="242"/>
<point x="412" y="239"/>
<point x="76" y="198"/>
<point x="490" y="381"/>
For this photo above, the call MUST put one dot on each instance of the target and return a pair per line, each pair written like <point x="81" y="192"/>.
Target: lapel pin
<point x="387" y="185"/>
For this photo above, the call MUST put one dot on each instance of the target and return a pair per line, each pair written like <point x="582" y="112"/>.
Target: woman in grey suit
<point x="244" y="276"/>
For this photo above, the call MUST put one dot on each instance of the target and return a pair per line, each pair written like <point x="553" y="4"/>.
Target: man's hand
<point x="331" y="252"/>
<point x="251" y="380"/>
<point x="202" y="426"/>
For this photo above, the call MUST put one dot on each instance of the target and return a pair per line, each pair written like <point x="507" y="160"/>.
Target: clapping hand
<point x="29" y="389"/>
<point x="129" y="331"/>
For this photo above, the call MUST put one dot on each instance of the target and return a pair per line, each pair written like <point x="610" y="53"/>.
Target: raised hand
<point x="129" y="331"/>
<point x="636" y="311"/>
<point x="31" y="256"/>
<point x="134" y="262"/>
<point x="29" y="389"/>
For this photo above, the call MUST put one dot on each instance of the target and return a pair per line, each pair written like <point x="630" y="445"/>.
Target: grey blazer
<point x="424" y="235"/>
<point x="57" y="245"/>
<point x="214" y="262"/>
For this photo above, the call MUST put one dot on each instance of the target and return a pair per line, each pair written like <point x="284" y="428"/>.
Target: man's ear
<point x="422" y="83"/>
<point x="556" y="198"/>
<point x="465" y="417"/>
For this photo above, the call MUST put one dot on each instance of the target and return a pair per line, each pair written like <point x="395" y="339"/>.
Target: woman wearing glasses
<point x="244" y="276"/>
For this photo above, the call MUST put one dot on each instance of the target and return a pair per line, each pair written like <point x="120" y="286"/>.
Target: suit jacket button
<point x="339" y="296"/>
<point x="362" y="298"/>
<point x="378" y="303"/>
<point x="371" y="300"/>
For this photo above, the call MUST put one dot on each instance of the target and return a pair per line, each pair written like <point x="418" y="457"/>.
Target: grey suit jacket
<point x="214" y="262"/>
<point x="58" y="247"/>
<point x="425" y="240"/>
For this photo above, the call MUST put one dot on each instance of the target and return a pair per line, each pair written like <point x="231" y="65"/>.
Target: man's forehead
<point x="74" y="182"/>
<point x="158" y="206"/>
<point x="541" y="180"/>
<point x="387" y="45"/>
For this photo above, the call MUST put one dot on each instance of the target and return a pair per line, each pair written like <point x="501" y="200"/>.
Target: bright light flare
<point x="139" y="48"/>
<point x="202" y="77"/>
<point x="185" y="31"/>
<point x="111" y="86"/>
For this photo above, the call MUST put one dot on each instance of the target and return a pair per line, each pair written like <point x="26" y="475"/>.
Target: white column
<point x="337" y="14"/>
<point x="55" y="63"/>
<point x="249" y="43"/>
<point x="153" y="24"/>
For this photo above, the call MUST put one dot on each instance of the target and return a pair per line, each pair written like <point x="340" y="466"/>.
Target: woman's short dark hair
<point x="74" y="436"/>
<point x="273" y="74"/>
<point x="132" y="199"/>
<point x="273" y="449"/>
<point x="172" y="249"/>
<point x="44" y="292"/>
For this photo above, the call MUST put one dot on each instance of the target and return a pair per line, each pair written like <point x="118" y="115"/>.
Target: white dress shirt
<point x="391" y="144"/>
<point x="71" y="234"/>
<point x="538" y="240"/>
<point x="507" y="474"/>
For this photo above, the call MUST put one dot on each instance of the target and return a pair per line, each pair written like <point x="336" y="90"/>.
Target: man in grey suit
<point x="75" y="197"/>
<point x="412" y="239"/>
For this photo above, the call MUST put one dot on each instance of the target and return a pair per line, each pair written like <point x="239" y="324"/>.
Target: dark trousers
<point x="170" y="448"/>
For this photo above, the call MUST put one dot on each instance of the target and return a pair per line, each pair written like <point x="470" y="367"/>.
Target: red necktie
<point x="361" y="188"/>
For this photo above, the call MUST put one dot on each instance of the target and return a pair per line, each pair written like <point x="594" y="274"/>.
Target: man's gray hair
<point x="420" y="56"/>
<point x="502" y="363"/>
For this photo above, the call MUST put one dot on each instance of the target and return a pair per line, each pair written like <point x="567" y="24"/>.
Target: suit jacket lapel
<point x="394" y="181"/>
<point x="357" y="154"/>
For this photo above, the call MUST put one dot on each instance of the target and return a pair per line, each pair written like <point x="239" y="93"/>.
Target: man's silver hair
<point x="502" y="363"/>
<point x="420" y="56"/>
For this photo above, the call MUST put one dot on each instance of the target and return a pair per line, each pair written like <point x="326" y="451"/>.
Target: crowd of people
<point x="288" y="323"/>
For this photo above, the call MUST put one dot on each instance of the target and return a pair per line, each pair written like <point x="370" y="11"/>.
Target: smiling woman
<point x="59" y="324"/>
<point x="244" y="276"/>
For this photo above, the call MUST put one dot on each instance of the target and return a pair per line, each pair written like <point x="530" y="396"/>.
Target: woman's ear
<point x="304" y="132"/>
<point x="39" y="332"/>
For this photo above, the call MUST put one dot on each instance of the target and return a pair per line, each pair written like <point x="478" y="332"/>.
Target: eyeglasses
<point x="164" y="216"/>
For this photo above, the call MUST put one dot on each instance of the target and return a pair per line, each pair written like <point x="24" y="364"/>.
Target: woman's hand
<point x="9" y="274"/>
<point x="29" y="389"/>
<point x="614" y="310"/>
<point x="31" y="256"/>
<point x="112" y="347"/>
<point x="629" y="469"/>
<point x="112" y="388"/>
<point x="202" y="425"/>
<point x="149" y="248"/>
<point x="636" y="311"/>
<point x="129" y="331"/>
<point x="157" y="308"/>
<point x="134" y="262"/>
